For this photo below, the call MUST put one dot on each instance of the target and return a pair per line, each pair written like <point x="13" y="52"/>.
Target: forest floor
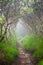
<point x="24" y="58"/>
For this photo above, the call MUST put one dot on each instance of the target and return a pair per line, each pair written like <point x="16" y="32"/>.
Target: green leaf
<point x="26" y="0"/>
<point x="1" y="18"/>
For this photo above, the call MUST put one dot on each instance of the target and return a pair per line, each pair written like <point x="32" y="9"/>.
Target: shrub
<point x="33" y="42"/>
<point x="9" y="48"/>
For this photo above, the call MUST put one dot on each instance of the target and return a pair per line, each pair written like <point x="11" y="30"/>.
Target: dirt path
<point x="23" y="57"/>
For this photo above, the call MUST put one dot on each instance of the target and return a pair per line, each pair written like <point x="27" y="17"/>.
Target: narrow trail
<point x="23" y="57"/>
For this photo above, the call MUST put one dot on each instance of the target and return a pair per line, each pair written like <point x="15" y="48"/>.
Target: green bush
<point x="9" y="48"/>
<point x="41" y="62"/>
<point x="33" y="42"/>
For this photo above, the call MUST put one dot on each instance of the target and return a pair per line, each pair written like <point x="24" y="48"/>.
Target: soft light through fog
<point x="20" y="28"/>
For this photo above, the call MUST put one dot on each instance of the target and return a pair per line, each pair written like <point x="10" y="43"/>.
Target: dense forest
<point x="21" y="32"/>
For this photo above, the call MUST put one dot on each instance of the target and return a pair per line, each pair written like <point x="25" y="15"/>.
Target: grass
<point x="33" y="42"/>
<point x="9" y="49"/>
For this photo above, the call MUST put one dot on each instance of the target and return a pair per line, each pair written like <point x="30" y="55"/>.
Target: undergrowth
<point x="33" y="43"/>
<point x="9" y="49"/>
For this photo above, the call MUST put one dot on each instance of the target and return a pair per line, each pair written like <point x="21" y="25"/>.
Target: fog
<point x="21" y="28"/>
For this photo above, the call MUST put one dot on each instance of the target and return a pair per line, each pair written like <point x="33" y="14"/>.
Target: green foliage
<point x="12" y="1"/>
<point x="38" y="7"/>
<point x="26" y="0"/>
<point x="39" y="52"/>
<point x="33" y="42"/>
<point x="9" y="47"/>
<point x="1" y="18"/>
<point x="3" y="3"/>
<point x="41" y="62"/>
